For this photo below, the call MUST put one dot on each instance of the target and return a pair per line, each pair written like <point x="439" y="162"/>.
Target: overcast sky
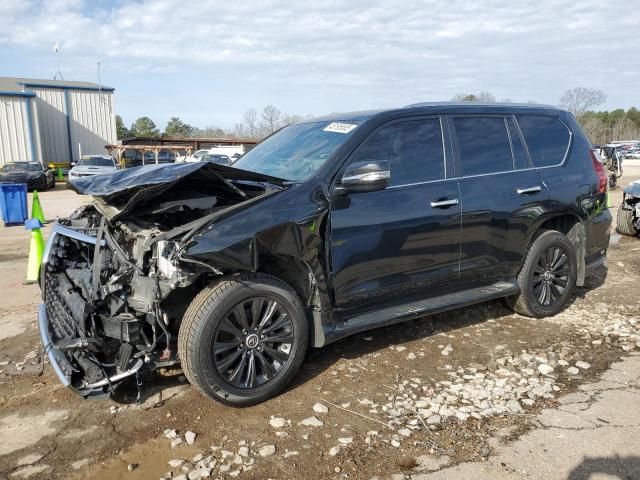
<point x="208" y="61"/>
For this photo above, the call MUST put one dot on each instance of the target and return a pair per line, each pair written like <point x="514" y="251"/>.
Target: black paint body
<point x="364" y="251"/>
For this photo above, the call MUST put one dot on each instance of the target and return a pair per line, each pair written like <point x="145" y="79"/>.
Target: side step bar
<point x="408" y="311"/>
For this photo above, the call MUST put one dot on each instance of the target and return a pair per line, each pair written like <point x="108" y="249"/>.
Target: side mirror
<point x="73" y="164"/>
<point x="366" y="176"/>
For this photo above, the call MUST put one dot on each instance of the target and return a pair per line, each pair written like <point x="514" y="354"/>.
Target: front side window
<point x="483" y="145"/>
<point x="413" y="149"/>
<point x="547" y="138"/>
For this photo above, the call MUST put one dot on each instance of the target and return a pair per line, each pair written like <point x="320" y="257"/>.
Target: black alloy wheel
<point x="551" y="275"/>
<point x="243" y="338"/>
<point x="253" y="342"/>
<point x="547" y="277"/>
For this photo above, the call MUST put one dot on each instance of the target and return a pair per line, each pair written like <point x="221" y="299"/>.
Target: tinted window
<point x="483" y="145"/>
<point x="412" y="148"/>
<point x="519" y="156"/>
<point x="546" y="137"/>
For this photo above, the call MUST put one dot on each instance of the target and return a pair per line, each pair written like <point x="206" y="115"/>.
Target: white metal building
<point x="52" y="121"/>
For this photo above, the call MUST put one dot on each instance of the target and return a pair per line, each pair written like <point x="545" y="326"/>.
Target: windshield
<point x="21" y="167"/>
<point x="296" y="152"/>
<point x="96" y="162"/>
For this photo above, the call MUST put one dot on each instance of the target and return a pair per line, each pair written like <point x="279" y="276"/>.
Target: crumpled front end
<point x="100" y="320"/>
<point x="114" y="281"/>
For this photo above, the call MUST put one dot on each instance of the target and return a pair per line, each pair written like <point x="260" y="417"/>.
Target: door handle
<point x="444" y="203"/>
<point x="524" y="191"/>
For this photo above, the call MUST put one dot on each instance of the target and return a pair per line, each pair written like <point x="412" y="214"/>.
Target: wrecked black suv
<point x="328" y="227"/>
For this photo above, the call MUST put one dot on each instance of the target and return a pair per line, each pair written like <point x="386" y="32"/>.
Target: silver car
<point x="93" y="165"/>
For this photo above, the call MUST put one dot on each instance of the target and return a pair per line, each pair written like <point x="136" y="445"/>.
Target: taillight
<point x="602" y="175"/>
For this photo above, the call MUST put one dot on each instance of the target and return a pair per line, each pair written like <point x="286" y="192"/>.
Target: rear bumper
<point x="598" y="234"/>
<point x="595" y="261"/>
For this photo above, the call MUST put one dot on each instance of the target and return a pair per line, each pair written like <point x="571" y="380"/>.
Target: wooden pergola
<point x="143" y="149"/>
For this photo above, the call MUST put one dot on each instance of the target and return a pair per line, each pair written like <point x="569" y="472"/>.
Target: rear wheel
<point x="625" y="222"/>
<point x="547" y="277"/>
<point x="243" y="339"/>
<point x="613" y="180"/>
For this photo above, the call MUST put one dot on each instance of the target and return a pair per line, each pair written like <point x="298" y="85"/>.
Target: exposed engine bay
<point x="115" y="280"/>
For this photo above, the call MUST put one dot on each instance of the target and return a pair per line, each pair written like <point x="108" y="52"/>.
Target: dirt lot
<point x="396" y="401"/>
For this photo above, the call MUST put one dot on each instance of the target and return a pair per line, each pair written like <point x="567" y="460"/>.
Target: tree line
<point x="254" y="126"/>
<point x="601" y="126"/>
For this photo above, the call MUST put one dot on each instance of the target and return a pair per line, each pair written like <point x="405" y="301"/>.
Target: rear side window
<point x="547" y="138"/>
<point x="483" y="145"/>
<point x="413" y="149"/>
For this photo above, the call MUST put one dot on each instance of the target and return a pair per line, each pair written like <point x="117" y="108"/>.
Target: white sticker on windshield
<point x="338" y="127"/>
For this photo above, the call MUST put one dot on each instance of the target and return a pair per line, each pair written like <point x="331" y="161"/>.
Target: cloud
<point x="367" y="53"/>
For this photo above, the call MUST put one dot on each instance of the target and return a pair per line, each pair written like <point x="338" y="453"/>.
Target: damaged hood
<point x="119" y="192"/>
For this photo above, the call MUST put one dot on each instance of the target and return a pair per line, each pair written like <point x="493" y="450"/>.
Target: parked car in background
<point x="232" y="151"/>
<point x="164" y="156"/>
<point x="328" y="227"/>
<point x="197" y="155"/>
<point x="219" y="159"/>
<point x="611" y="158"/>
<point x="34" y="174"/>
<point x="90" y="165"/>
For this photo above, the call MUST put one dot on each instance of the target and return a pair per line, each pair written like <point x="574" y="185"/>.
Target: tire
<point x="208" y="324"/>
<point x="624" y="221"/>
<point x="613" y="180"/>
<point x="531" y="278"/>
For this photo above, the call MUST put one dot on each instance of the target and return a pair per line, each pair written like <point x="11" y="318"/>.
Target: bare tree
<point x="271" y="119"/>
<point x="595" y="130"/>
<point x="624" y="129"/>
<point x="249" y="121"/>
<point x="580" y="100"/>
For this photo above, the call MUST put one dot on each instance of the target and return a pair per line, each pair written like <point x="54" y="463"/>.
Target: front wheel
<point x="547" y="277"/>
<point x="243" y="339"/>
<point x="613" y="180"/>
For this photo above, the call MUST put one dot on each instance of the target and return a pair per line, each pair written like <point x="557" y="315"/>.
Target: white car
<point x="93" y="165"/>
<point x="197" y="155"/>
<point x="232" y="151"/>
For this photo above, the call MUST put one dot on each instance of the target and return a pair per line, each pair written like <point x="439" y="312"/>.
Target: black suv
<point x="328" y="227"/>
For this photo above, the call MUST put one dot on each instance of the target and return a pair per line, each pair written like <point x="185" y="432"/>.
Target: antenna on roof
<point x="56" y="49"/>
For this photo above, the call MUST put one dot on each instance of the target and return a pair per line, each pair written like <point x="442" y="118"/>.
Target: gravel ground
<point x="421" y="396"/>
